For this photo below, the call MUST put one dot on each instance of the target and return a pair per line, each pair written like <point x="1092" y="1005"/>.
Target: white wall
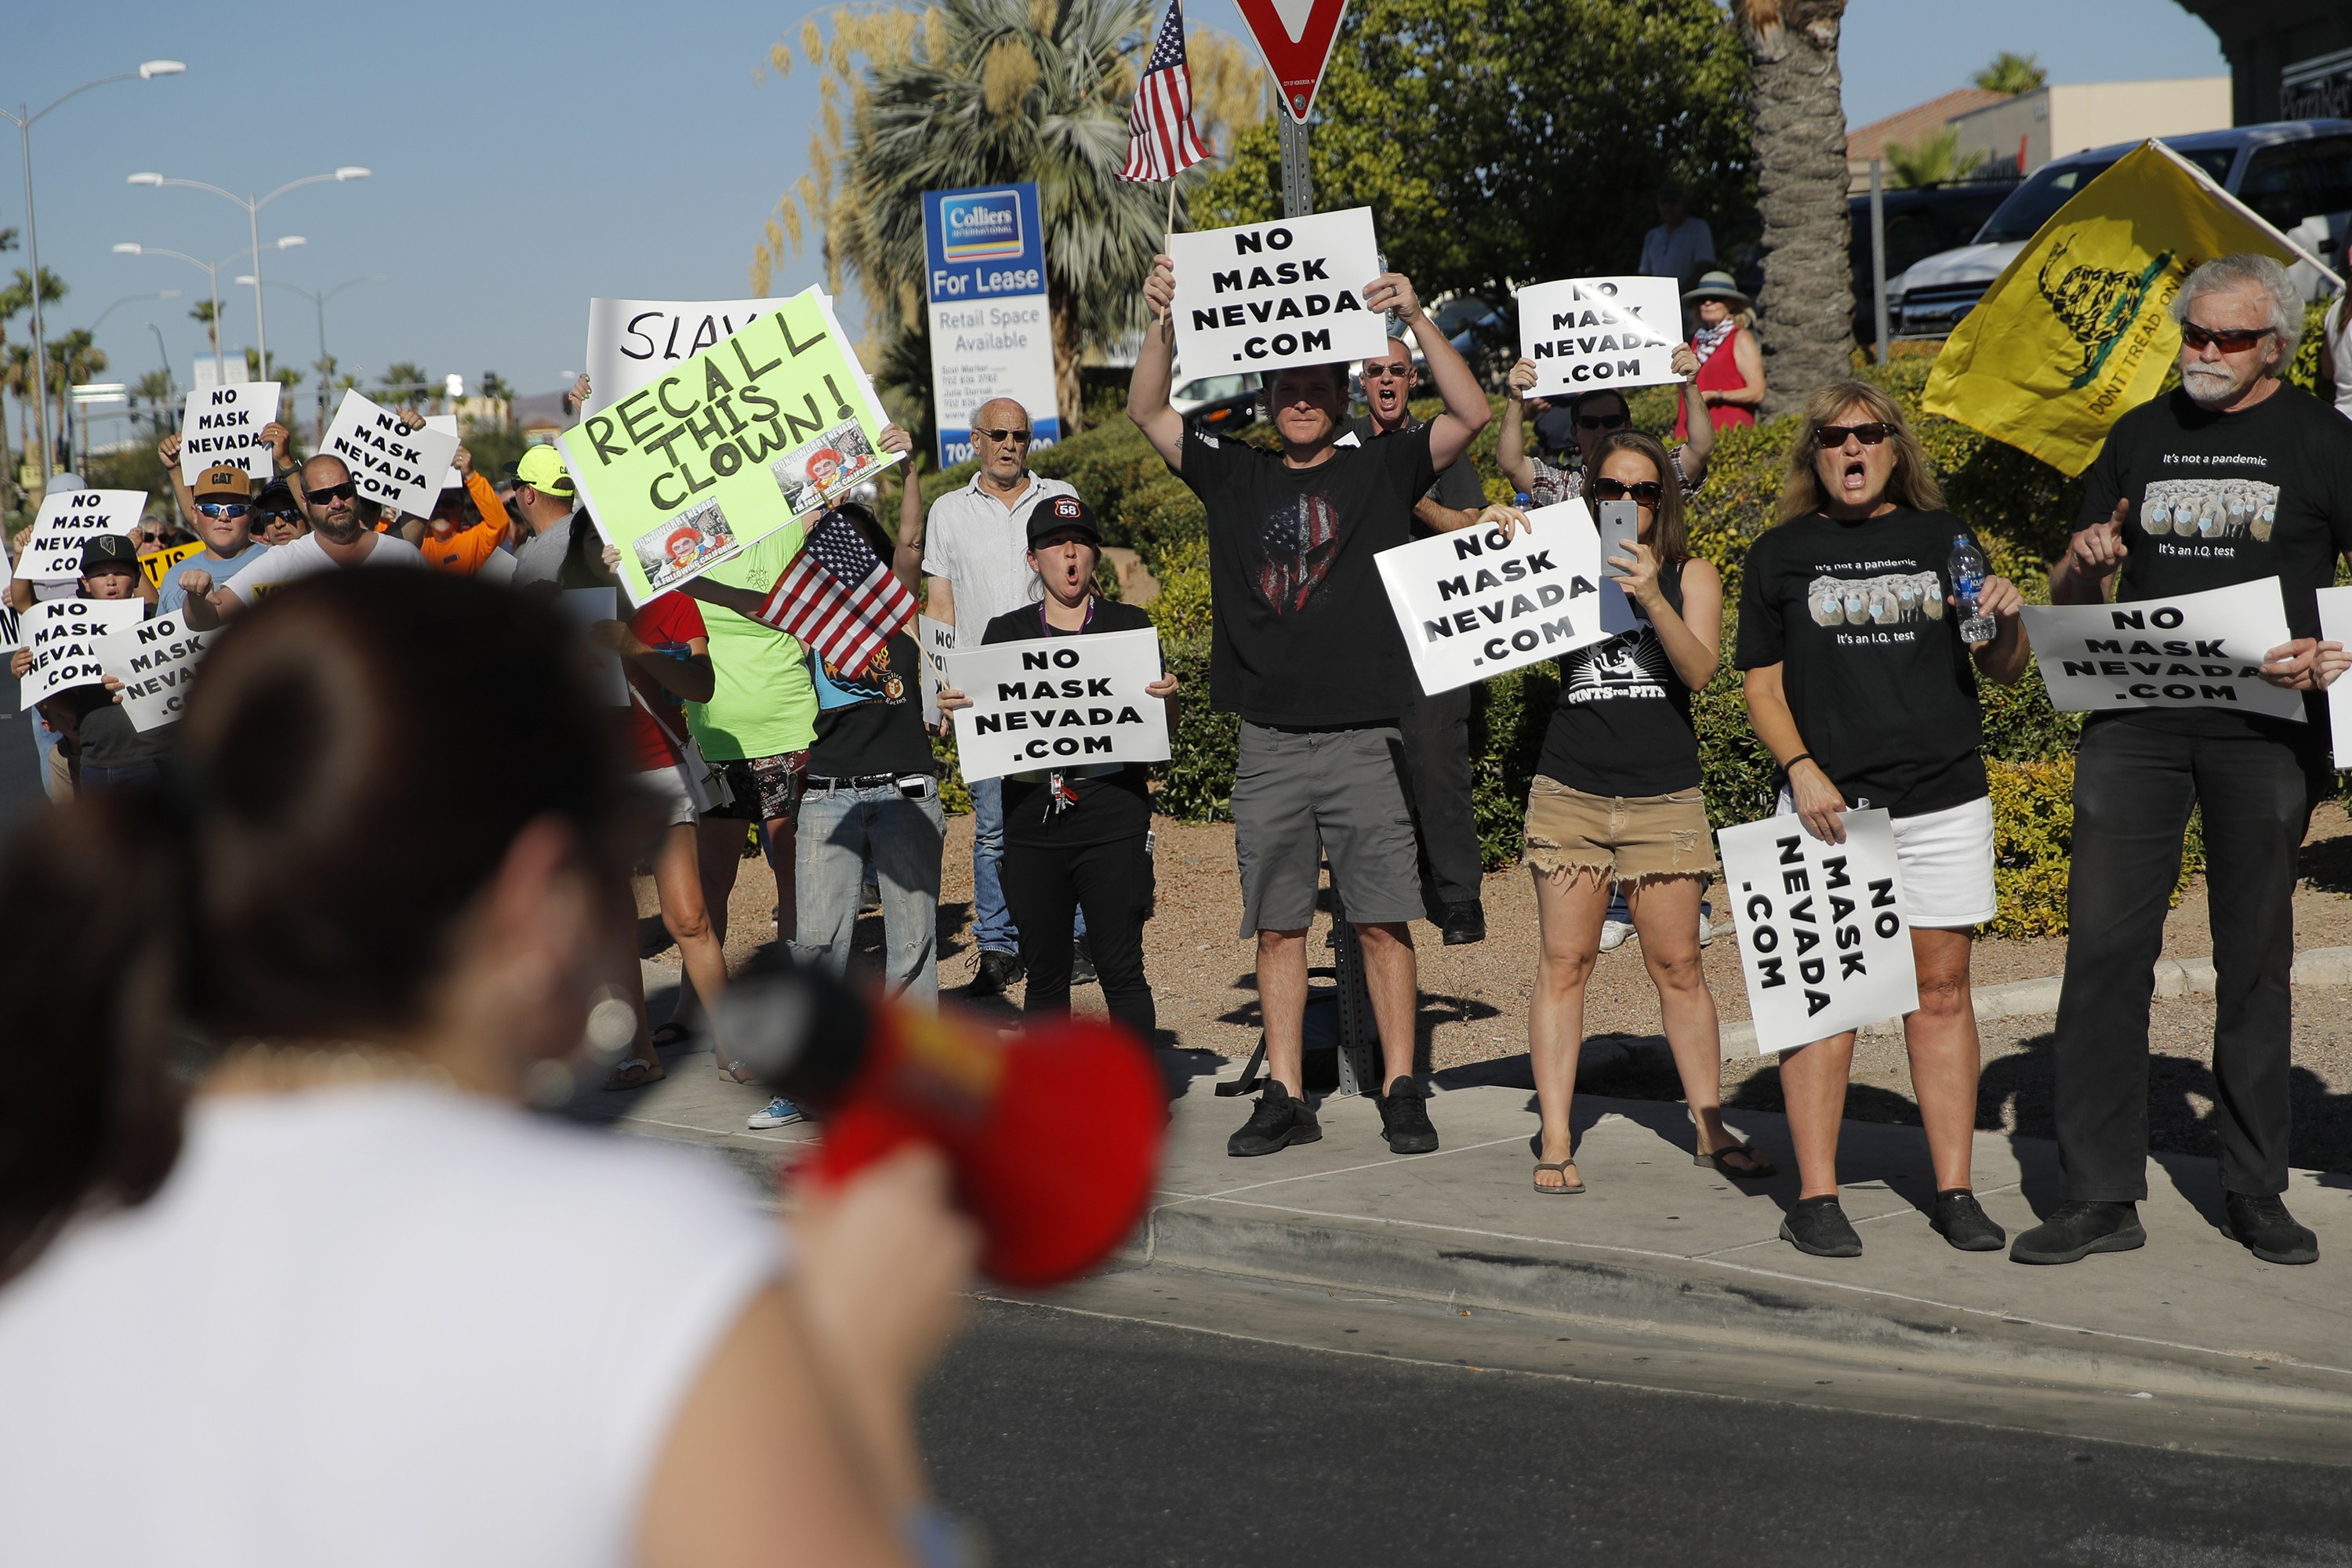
<point x="2068" y="118"/>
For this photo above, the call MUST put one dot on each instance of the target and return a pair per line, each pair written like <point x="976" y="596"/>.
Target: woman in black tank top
<point x="1616" y="802"/>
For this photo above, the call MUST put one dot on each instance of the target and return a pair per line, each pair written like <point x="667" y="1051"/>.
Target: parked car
<point x="1216" y="403"/>
<point x="2286" y="171"/>
<point x="1921" y="221"/>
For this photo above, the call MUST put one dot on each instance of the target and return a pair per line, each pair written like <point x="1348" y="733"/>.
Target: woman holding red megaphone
<point x="266" y="1180"/>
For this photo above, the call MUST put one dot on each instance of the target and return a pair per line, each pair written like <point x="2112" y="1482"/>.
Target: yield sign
<point x="1295" y="36"/>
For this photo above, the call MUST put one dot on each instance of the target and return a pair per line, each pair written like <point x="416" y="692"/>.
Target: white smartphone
<point x="1621" y="525"/>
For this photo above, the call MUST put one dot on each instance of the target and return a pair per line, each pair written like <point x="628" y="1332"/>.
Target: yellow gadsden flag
<point x="2077" y="331"/>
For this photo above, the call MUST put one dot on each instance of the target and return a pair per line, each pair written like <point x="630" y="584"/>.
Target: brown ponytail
<point x="336" y="800"/>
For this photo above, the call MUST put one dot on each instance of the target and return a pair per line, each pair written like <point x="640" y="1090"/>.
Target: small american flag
<point x="838" y="597"/>
<point x="1161" y="141"/>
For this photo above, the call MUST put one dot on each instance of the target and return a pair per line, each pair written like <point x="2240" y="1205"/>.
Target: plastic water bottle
<point x="1970" y="570"/>
<point x="1519" y="499"/>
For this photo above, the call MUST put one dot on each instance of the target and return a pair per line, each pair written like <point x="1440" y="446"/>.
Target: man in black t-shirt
<point x="1304" y="648"/>
<point x="2236" y="478"/>
<point x="1436" y="729"/>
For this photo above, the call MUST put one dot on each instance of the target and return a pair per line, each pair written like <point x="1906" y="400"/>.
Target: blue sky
<point x="526" y="158"/>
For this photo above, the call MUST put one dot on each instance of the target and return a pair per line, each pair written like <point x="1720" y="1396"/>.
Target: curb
<point x="2318" y="968"/>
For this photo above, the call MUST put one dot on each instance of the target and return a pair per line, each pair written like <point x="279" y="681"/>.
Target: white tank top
<point x="389" y="1325"/>
<point x="2339" y="341"/>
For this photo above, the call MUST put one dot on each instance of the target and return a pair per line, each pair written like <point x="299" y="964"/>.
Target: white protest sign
<point x="222" y="425"/>
<point x="70" y="520"/>
<point x="12" y="629"/>
<point x="632" y="341"/>
<point x="1583" y="333"/>
<point x="498" y="566"/>
<point x="1059" y="702"/>
<point x="66" y="637"/>
<point x="2194" y="650"/>
<point x="2336" y="626"/>
<point x="586" y="606"/>
<point x="935" y="640"/>
<point x="1825" y="935"/>
<point x="446" y="423"/>
<point x="1265" y="295"/>
<point x="1472" y="603"/>
<point x="155" y="660"/>
<point x="398" y="468"/>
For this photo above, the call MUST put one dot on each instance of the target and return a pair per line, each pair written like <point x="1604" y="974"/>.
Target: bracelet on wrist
<point x="1791" y="766"/>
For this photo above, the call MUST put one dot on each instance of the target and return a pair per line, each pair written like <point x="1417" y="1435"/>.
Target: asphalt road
<point x="1076" y="1437"/>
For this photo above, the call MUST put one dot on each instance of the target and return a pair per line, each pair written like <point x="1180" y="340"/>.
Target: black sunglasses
<point x="2229" y="340"/>
<point x="1019" y="437"/>
<point x="1649" y="493"/>
<point x="1833" y="435"/>
<point x="348" y="491"/>
<point x="1603" y="421"/>
<point x="217" y="509"/>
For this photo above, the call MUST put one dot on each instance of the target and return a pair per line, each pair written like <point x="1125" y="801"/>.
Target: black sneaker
<point x="1404" y="1120"/>
<point x="996" y="975"/>
<point x="1463" y="924"/>
<point x="1959" y="1219"/>
<point x="1278" y="1122"/>
<point x="2266" y="1229"/>
<point x="1818" y="1226"/>
<point x="1082" y="963"/>
<point x="2074" y="1231"/>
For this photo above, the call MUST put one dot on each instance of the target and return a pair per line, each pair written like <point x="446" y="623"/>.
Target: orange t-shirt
<point x="462" y="551"/>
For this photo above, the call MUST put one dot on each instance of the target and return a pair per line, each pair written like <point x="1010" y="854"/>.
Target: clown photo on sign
<point x="814" y="475"/>
<point x="699" y="536"/>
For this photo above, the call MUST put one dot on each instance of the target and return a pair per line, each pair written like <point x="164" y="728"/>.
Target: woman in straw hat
<point x="1730" y="379"/>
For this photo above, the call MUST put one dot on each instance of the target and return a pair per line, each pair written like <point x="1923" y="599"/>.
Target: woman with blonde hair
<point x="1728" y="382"/>
<point x="1859" y="684"/>
<point x="1615" y="803"/>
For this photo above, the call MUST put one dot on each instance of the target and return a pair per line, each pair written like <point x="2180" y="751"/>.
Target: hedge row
<point x="2019" y="507"/>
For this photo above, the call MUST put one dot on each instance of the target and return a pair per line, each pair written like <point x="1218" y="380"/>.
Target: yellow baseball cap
<point x="542" y="469"/>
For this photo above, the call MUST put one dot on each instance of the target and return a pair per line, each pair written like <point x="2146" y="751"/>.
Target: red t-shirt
<point x="665" y="624"/>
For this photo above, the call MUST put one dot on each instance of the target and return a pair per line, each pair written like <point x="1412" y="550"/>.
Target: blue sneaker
<point x="777" y="1112"/>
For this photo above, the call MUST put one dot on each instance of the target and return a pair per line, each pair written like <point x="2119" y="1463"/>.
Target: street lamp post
<point x="320" y="302"/>
<point x="211" y="270"/>
<point x="253" y="205"/>
<point x="23" y="121"/>
<point x="164" y="354"/>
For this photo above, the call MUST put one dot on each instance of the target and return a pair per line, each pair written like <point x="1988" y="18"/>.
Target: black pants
<point x="1044" y="887"/>
<point x="1436" y="732"/>
<point x="2134" y="785"/>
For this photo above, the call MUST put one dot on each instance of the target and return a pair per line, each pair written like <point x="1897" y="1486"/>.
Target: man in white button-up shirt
<point x="976" y="560"/>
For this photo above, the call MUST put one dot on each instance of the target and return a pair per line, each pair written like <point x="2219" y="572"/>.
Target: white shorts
<point x="675" y="792"/>
<point x="1947" y="860"/>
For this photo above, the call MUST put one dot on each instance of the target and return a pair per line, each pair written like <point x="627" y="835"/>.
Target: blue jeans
<point x="840" y="830"/>
<point x="94" y="777"/>
<point x="992" y="930"/>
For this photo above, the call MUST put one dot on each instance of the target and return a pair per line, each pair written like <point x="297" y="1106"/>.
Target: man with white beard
<point x="2138" y="772"/>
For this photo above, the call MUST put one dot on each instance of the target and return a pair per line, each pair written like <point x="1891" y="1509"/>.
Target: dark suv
<point x="1921" y="221"/>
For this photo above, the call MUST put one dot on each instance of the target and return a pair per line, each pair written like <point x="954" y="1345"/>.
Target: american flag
<point x="838" y="597"/>
<point x="1161" y="141"/>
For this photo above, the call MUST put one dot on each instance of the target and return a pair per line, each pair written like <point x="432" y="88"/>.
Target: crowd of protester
<point x="756" y="750"/>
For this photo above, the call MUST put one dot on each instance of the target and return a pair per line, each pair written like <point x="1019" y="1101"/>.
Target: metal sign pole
<point x="1878" y="258"/>
<point x="1297" y="191"/>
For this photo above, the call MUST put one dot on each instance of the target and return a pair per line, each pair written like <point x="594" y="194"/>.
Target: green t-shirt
<point x="764" y="703"/>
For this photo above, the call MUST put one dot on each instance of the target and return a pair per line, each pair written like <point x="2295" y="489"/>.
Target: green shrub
<point x="2034" y="845"/>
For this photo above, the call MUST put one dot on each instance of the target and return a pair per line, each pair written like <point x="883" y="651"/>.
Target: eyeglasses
<point x="1015" y="438"/>
<point x="274" y="515"/>
<point x="215" y="509"/>
<point x="1829" y="436"/>
<point x="1649" y="493"/>
<point x="1603" y="421"/>
<point x="348" y="491"/>
<point x="1381" y="370"/>
<point x="2230" y="341"/>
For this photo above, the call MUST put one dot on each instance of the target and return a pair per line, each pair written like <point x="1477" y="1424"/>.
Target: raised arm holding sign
<point x="225" y="425"/>
<point x="1265" y="295"/>
<point x="1583" y="333"/>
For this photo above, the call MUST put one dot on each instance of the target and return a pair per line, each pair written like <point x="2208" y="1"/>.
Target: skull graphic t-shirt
<point x="2221" y="498"/>
<point x="1303" y="633"/>
<point x="1870" y="653"/>
<point x="1622" y="727"/>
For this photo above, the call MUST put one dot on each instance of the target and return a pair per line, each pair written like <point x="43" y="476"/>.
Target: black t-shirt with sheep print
<point x="1872" y="660"/>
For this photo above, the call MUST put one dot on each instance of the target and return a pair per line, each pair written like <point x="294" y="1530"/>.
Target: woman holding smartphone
<point x="1860" y="685"/>
<point x="1616" y="803"/>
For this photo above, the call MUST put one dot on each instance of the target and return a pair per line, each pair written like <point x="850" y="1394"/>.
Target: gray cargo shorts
<point x="1302" y="795"/>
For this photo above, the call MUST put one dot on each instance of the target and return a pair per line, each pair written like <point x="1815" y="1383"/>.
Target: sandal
<point x="634" y="1073"/>
<point x="1567" y="1189"/>
<point x="736" y="1072"/>
<point x="671" y="1035"/>
<point x="1759" y="1167"/>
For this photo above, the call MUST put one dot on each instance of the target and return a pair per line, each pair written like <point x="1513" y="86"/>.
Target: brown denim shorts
<point x="1631" y="838"/>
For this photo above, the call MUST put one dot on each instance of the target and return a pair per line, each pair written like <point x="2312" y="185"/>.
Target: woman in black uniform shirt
<point x="1079" y="836"/>
<point x="1616" y="801"/>
<point x="1859" y="685"/>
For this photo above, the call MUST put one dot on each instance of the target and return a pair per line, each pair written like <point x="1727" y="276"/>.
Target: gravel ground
<point x="1472" y="1019"/>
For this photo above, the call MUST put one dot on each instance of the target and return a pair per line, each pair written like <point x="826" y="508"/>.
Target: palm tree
<point x="2011" y="73"/>
<point x="976" y="92"/>
<point x="501" y="396"/>
<point x="1931" y="162"/>
<point x="73" y="358"/>
<point x="1801" y="193"/>
<point x="208" y="313"/>
<point x="403" y="383"/>
<point x="16" y="378"/>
